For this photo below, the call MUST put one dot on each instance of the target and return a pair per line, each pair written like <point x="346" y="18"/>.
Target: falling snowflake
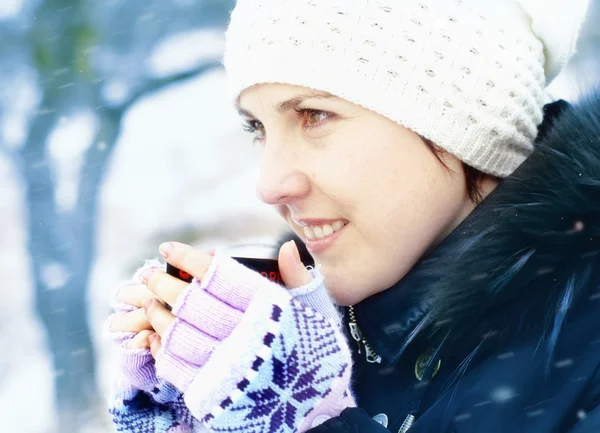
<point x="564" y="363"/>
<point x="544" y="271"/>
<point x="535" y="413"/>
<point x="462" y="417"/>
<point x="54" y="275"/>
<point x="506" y="355"/>
<point x="490" y="334"/>
<point x="503" y="394"/>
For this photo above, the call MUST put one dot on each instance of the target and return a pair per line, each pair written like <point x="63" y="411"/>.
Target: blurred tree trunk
<point x="55" y="239"/>
<point x="63" y="244"/>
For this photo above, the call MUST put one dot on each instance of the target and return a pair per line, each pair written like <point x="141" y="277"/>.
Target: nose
<point x="281" y="180"/>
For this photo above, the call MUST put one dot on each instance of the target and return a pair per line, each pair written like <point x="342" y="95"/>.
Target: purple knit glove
<point x="140" y="401"/>
<point x="206" y="313"/>
<point x="136" y="369"/>
<point x="248" y="354"/>
<point x="315" y="296"/>
<point x="242" y="353"/>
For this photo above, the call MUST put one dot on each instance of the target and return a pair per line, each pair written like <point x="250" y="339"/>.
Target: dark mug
<point x="268" y="268"/>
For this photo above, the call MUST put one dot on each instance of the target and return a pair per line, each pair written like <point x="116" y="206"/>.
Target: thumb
<point x="293" y="272"/>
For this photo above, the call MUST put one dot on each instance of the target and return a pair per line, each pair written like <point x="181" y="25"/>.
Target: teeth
<point x="319" y="232"/>
<point x="316" y="232"/>
<point x="310" y="235"/>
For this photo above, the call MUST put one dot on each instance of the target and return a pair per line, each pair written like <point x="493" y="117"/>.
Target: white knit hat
<point x="468" y="75"/>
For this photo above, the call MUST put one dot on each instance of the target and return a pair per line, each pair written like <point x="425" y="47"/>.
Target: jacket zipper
<point x="407" y="424"/>
<point x="372" y="358"/>
<point x="356" y="334"/>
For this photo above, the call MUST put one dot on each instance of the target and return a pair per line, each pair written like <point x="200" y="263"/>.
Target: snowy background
<point x="115" y="135"/>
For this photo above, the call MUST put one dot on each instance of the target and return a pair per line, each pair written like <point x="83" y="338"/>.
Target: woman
<point x="403" y="143"/>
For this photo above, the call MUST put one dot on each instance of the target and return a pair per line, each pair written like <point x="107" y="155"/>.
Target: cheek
<point x="425" y="203"/>
<point x="395" y="222"/>
<point x="398" y="198"/>
<point x="358" y="175"/>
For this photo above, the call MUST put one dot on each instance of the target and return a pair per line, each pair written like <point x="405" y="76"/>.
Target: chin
<point x="348" y="291"/>
<point x="344" y="294"/>
<point x="345" y="299"/>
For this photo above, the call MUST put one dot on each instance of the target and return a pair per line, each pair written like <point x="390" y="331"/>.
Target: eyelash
<point x="252" y="125"/>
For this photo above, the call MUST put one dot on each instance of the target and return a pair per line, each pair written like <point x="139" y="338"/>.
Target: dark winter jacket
<point x="498" y="329"/>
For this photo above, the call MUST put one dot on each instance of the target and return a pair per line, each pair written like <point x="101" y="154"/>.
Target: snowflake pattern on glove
<point x="283" y="369"/>
<point x="305" y="359"/>
<point x="144" y="415"/>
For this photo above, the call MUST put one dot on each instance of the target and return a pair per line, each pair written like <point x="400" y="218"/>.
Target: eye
<point x="313" y="118"/>
<point x="254" y="127"/>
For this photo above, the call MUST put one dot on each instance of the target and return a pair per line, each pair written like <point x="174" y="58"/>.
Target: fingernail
<point x="165" y="249"/>
<point x="152" y="337"/>
<point x="147" y="274"/>
<point x="147" y="304"/>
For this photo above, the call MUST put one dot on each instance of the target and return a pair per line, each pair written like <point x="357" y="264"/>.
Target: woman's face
<point x="330" y="165"/>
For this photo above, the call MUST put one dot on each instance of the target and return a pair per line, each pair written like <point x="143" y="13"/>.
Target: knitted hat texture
<point x="469" y="75"/>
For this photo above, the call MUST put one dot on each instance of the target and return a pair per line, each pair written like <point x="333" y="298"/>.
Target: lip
<point x="316" y="222"/>
<point x="319" y="245"/>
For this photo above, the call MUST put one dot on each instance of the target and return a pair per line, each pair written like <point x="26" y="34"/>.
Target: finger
<point x="187" y="258"/>
<point x="136" y="294"/>
<point x="140" y="341"/>
<point x="155" y="345"/>
<point x="293" y="272"/>
<point x="159" y="317"/>
<point x="133" y="321"/>
<point x="163" y="286"/>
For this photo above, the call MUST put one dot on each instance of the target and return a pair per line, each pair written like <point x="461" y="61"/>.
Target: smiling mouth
<point x="320" y="232"/>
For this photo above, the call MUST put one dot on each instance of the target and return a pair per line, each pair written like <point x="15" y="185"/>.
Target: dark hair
<point x="473" y="177"/>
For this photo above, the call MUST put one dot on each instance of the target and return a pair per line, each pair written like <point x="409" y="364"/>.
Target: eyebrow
<point x="289" y="104"/>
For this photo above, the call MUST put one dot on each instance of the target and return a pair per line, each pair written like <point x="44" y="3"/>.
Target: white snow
<point x="184" y="51"/>
<point x="462" y="417"/>
<point x="506" y="355"/>
<point x="564" y="363"/>
<point x="10" y="9"/>
<point x="534" y="413"/>
<point x="20" y="97"/>
<point x="67" y="145"/>
<point x="25" y="369"/>
<point x="54" y="275"/>
<point x="115" y="91"/>
<point x="503" y="394"/>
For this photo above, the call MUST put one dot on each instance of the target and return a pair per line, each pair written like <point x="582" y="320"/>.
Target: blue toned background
<point x="116" y="134"/>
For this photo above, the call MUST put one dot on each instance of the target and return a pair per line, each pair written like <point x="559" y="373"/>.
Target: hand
<point x="128" y="320"/>
<point x="129" y="328"/>
<point x="231" y="329"/>
<point x="168" y="288"/>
